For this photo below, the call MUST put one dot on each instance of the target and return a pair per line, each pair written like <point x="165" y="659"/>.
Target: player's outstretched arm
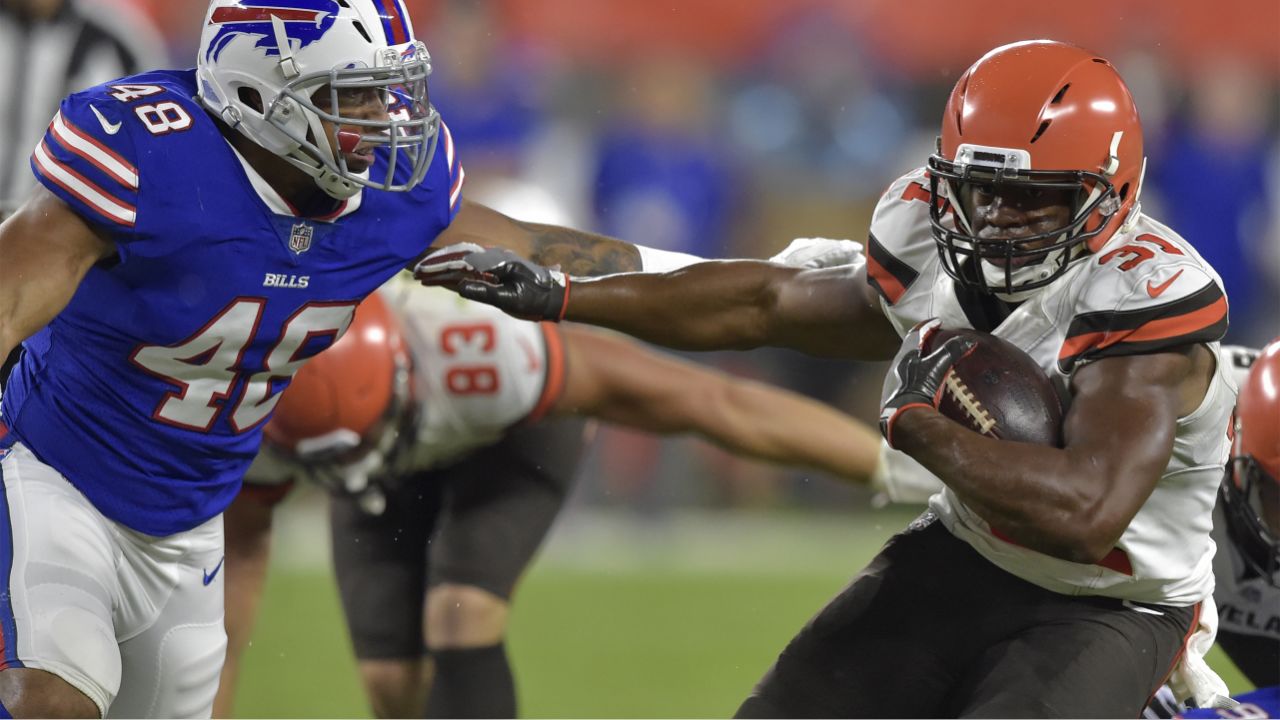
<point x="620" y="381"/>
<point x="742" y="304"/>
<point x="575" y="251"/>
<point x="247" y="524"/>
<point x="714" y="305"/>
<point x="45" y="251"/>
<point x="1073" y="503"/>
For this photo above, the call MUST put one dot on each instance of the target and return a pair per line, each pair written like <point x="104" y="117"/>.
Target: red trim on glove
<point x="564" y="304"/>
<point x="888" y="430"/>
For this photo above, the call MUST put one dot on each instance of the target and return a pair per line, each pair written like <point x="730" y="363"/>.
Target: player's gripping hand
<point x="818" y="253"/>
<point x="498" y="277"/>
<point x="914" y="379"/>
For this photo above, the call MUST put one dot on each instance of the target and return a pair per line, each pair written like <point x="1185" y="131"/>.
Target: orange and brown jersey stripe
<point x="1199" y="317"/>
<point x="887" y="274"/>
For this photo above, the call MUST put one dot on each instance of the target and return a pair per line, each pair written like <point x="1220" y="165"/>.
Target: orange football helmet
<point x="1250" y="492"/>
<point x="350" y="399"/>
<point x="1038" y="115"/>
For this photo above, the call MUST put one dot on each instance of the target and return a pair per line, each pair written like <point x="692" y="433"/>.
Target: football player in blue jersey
<point x="196" y="236"/>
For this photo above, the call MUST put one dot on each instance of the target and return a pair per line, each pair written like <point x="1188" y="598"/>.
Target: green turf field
<point x="620" y="617"/>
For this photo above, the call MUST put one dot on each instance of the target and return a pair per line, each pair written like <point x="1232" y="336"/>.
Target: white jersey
<point x="476" y="373"/>
<point x="1146" y="290"/>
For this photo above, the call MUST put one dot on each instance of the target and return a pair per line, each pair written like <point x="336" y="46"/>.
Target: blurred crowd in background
<point x="725" y="128"/>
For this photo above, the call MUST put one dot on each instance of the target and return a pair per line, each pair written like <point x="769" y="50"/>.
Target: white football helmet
<point x="262" y="62"/>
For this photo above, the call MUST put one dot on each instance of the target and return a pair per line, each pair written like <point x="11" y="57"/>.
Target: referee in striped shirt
<point x="48" y="50"/>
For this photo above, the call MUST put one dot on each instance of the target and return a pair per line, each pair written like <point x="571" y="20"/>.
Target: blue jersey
<point x="150" y="390"/>
<point x="1261" y="703"/>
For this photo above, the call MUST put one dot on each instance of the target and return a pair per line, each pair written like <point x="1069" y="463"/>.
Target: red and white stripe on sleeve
<point x="86" y="173"/>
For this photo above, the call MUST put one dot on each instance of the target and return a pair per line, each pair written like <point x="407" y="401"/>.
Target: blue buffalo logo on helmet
<point x="305" y="21"/>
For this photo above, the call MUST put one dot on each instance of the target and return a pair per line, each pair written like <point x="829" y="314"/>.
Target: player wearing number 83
<point x="196" y="237"/>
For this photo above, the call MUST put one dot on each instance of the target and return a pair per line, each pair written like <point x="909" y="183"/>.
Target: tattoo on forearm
<point x="581" y="253"/>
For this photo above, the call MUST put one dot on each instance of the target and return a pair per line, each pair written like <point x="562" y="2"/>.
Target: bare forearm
<point x="747" y="418"/>
<point x="716" y="305"/>
<point x="738" y="305"/>
<point x="248" y="547"/>
<point x="575" y="251"/>
<point x="788" y="429"/>
<point x="1043" y="498"/>
<point x="28" y="303"/>
<point x="578" y="252"/>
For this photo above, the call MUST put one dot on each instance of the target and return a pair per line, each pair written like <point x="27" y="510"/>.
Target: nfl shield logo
<point x="300" y="238"/>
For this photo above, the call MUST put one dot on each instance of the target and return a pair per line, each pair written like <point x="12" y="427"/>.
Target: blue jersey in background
<point x="1261" y="703"/>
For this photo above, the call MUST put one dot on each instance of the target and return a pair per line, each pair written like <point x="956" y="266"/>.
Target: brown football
<point x="999" y="391"/>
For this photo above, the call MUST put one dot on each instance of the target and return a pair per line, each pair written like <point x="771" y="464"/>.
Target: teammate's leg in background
<point x="380" y="563"/>
<point x="501" y="503"/>
<point x="466" y="631"/>
<point x="248" y="530"/>
<point x="396" y="688"/>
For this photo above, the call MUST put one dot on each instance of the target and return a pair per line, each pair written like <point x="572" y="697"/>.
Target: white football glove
<point x="818" y="253"/>
<point x="448" y="265"/>
<point x="498" y="277"/>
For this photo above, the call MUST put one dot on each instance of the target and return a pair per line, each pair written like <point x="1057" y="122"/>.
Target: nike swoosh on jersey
<point x="209" y="576"/>
<point x="111" y="128"/>
<point x="1158" y="290"/>
<point x="530" y="355"/>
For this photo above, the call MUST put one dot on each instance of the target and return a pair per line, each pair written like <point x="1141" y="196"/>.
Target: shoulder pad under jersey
<point x="900" y="245"/>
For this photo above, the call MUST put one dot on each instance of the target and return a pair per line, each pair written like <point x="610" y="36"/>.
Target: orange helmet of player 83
<point x="348" y="400"/>
<point x="1028" y="119"/>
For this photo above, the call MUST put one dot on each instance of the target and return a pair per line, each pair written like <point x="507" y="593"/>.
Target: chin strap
<point x="336" y="186"/>
<point x="333" y="184"/>
<point x="288" y="65"/>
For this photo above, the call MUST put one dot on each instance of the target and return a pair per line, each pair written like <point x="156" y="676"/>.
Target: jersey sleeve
<point x="496" y="371"/>
<point x="1170" y="301"/>
<point x="438" y="198"/>
<point x="87" y="158"/>
<point x="457" y="176"/>
<point x="901" y="254"/>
